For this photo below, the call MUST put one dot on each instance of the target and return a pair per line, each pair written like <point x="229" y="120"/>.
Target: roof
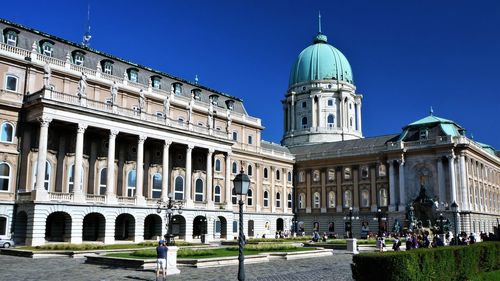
<point x="488" y="148"/>
<point x="274" y="146"/>
<point x="429" y="120"/>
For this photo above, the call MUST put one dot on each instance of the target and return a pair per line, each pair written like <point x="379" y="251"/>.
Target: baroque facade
<point x="337" y="170"/>
<point x="90" y="143"/>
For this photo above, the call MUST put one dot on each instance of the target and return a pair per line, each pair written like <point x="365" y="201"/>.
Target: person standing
<point x="161" y="260"/>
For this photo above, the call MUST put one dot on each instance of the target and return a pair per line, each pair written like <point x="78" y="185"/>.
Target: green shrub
<point x="444" y="263"/>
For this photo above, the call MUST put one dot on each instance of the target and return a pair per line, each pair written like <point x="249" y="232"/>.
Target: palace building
<point x="89" y="143"/>
<point x="338" y="170"/>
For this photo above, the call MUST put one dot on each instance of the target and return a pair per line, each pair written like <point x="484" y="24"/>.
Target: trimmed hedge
<point x="443" y="263"/>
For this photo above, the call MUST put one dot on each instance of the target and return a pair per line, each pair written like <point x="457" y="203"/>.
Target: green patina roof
<point x="429" y="120"/>
<point x="488" y="148"/>
<point x="449" y="127"/>
<point x="320" y="61"/>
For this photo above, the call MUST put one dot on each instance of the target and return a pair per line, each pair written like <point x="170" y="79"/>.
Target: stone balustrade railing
<point x="95" y="198"/>
<point x="126" y="200"/>
<point x="60" y="196"/>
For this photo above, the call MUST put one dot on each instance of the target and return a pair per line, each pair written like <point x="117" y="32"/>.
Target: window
<point x="103" y="178"/>
<point x="156" y="82"/>
<point x="177" y="88"/>
<point x="265" y="173"/>
<point x="249" y="170"/>
<point x="4" y="176"/>
<point x="250" y="140"/>
<point x="3" y="225"/>
<point x="48" y="170"/>
<point x="11" y="83"/>
<point x="302" y="176"/>
<point x="196" y="94"/>
<point x="290" y="176"/>
<point x="347" y="173"/>
<point x="160" y="116"/>
<point x="347" y="199"/>
<point x="217" y="194"/>
<point x="350" y="122"/>
<point x="381" y="170"/>
<point x="330" y="120"/>
<point x="71" y="178"/>
<point x="78" y="57"/>
<point x="131" y="183"/>
<point x="6" y="132"/>
<point x="302" y="197"/>
<point x="235" y="168"/>
<point x="235" y="136"/>
<point x="331" y="199"/>
<point x="289" y="201"/>
<point x="230" y="104"/>
<point x="304" y="122"/>
<point x="214" y="99"/>
<point x="316" y="199"/>
<point x="179" y="188"/>
<point x="10" y="37"/>
<point x="423" y="134"/>
<point x="277" y="174"/>
<point x="278" y="200"/>
<point x="331" y="175"/>
<point x="217" y="165"/>
<point x="266" y="199"/>
<point x="157" y="183"/>
<point x="47" y="48"/>
<point x="235" y="226"/>
<point x="364" y="172"/>
<point x="316" y="176"/>
<point x="249" y="197"/>
<point x="234" y="198"/>
<point x="133" y="74"/>
<point x="107" y="66"/>
<point x="330" y="102"/>
<point x="365" y="198"/>
<point x="382" y="197"/>
<point x="198" y="191"/>
<point x="304" y="104"/>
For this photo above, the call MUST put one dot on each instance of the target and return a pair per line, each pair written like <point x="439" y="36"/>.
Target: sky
<point x="406" y="56"/>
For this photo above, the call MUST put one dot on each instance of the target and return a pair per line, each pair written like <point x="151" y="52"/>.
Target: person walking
<point x="161" y="260"/>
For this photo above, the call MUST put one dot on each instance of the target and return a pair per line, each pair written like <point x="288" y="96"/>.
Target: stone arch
<point x="221" y="227"/>
<point x="124" y="227"/>
<point x="58" y="227"/>
<point x="152" y="226"/>
<point x="93" y="227"/>
<point x="20" y="227"/>
<point x="179" y="226"/>
<point x="199" y="226"/>
<point x="280" y="224"/>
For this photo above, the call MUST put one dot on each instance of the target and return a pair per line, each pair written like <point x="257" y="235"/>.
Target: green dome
<point x="320" y="61"/>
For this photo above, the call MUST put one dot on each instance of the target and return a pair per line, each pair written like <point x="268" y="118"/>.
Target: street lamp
<point x="241" y="185"/>
<point x="454" y="209"/>
<point x="350" y="217"/>
<point x="171" y="207"/>
<point x="380" y="217"/>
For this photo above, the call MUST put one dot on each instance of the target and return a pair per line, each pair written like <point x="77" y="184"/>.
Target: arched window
<point x="103" y="178"/>
<point x="11" y="83"/>
<point x="315" y="176"/>
<point x="265" y="173"/>
<point x="277" y="174"/>
<point x="381" y="170"/>
<point x="316" y="198"/>
<point x="46" y="181"/>
<point x="331" y="199"/>
<point x="71" y="178"/>
<point x="266" y="199"/>
<point x="289" y="201"/>
<point x="177" y="89"/>
<point x="4" y="177"/>
<point x="179" y="188"/>
<point x="302" y="196"/>
<point x="7" y="132"/>
<point x="350" y="122"/>
<point x="198" y="190"/>
<point x="249" y="197"/>
<point x="235" y="168"/>
<point x="278" y="200"/>
<point x="3" y="226"/>
<point x="10" y="36"/>
<point x="131" y="183"/>
<point x="330" y="121"/>
<point x="217" y="165"/>
<point x="249" y="170"/>
<point x="365" y="198"/>
<point x="304" y="122"/>
<point x="217" y="194"/>
<point x="382" y="197"/>
<point x="157" y="183"/>
<point x="302" y="176"/>
<point x="347" y="199"/>
<point x="47" y="48"/>
<point x="234" y="197"/>
<point x="331" y="175"/>
<point x="78" y="57"/>
<point x="289" y="176"/>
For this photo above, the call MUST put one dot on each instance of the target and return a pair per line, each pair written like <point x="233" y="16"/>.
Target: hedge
<point x="443" y="263"/>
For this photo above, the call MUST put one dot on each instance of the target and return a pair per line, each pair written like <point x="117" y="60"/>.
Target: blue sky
<point x="406" y="55"/>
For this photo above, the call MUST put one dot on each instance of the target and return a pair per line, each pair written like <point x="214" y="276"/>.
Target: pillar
<point x="110" y="176"/>
<point x="41" y="193"/>
<point x="76" y="229"/>
<point x="165" y="178"/>
<point x="402" y="190"/>
<point x="359" y="116"/>
<point x="373" y="188"/>
<point x="392" y="189"/>
<point x="453" y="188"/>
<point x="209" y="199"/>
<point x="140" y="171"/>
<point x="313" y="111"/>
<point x="308" y="191"/>
<point x="463" y="182"/>
<point x="355" y="175"/>
<point x="272" y="192"/>
<point x="440" y="172"/>
<point x="258" y="188"/>
<point x="229" y="204"/>
<point x="292" y="110"/>
<point x="284" y="197"/>
<point x="187" y="193"/>
<point x="78" y="176"/>
<point x="338" y="178"/>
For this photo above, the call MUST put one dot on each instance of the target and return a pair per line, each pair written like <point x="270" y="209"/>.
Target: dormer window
<point x="214" y="99"/>
<point x="47" y="48"/>
<point x="196" y="94"/>
<point x="423" y="134"/>
<point x="10" y="36"/>
<point x="230" y="104"/>
<point x="177" y="88"/>
<point x="78" y="57"/>
<point x="156" y="82"/>
<point x="107" y="66"/>
<point x="133" y="75"/>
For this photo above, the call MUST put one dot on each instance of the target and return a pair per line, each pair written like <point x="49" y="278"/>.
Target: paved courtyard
<point x="336" y="267"/>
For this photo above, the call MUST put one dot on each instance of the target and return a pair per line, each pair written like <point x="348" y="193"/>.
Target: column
<point x="453" y="188"/>
<point x="373" y="187"/>
<point x="209" y="178"/>
<point x="313" y="112"/>
<point x="341" y="112"/>
<point x="355" y="174"/>
<point x="140" y="170"/>
<point x="308" y="191"/>
<point x="227" y="188"/>
<point x="110" y="172"/>
<point x="272" y="192"/>
<point x="258" y="187"/>
<point x="42" y="158"/>
<point x="440" y="172"/>
<point x="284" y="197"/>
<point x="359" y="116"/>
<point x="165" y="179"/>
<point x="392" y="189"/>
<point x="463" y="182"/>
<point x="78" y="176"/>
<point x="338" y="177"/>
<point x="292" y="110"/>
<point x="402" y="188"/>
<point x="323" y="192"/>
<point x="187" y="193"/>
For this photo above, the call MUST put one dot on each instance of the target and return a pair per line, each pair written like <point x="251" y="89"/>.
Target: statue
<point x="166" y="105"/>
<point x="397" y="226"/>
<point x="142" y="100"/>
<point x="82" y="86"/>
<point x="211" y="116"/>
<point x="114" y="93"/>
<point x="46" y="75"/>
<point x="190" y="109"/>
<point x="229" y="120"/>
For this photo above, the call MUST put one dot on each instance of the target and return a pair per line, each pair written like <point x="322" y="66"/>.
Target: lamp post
<point x="380" y="217"/>
<point x="454" y="209"/>
<point x="350" y="217"/>
<point x="241" y="185"/>
<point x="170" y="207"/>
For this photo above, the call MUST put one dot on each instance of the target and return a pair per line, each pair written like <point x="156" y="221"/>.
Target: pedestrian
<point x="161" y="260"/>
<point x="396" y="244"/>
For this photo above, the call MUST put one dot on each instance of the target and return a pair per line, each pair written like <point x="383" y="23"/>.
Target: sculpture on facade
<point x="82" y="86"/>
<point x="229" y="120"/>
<point x="190" y="109"/>
<point x="142" y="100"/>
<point x="114" y="93"/>
<point x="46" y="75"/>
<point x="166" y="105"/>
<point x="211" y="115"/>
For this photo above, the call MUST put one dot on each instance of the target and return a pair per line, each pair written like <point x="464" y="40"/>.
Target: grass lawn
<point x="211" y="253"/>
<point x="90" y="246"/>
<point x="487" y="276"/>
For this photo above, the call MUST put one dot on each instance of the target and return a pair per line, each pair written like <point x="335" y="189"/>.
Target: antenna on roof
<point x="319" y="22"/>
<point x="431" y="111"/>
<point x="471" y="136"/>
<point x="196" y="79"/>
<point x="86" y="35"/>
